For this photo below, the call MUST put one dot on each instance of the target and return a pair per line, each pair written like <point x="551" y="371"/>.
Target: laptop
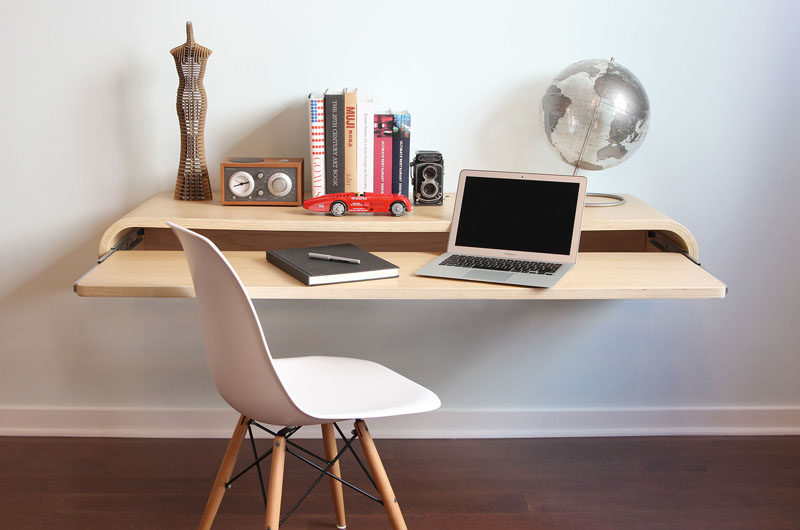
<point x="514" y="228"/>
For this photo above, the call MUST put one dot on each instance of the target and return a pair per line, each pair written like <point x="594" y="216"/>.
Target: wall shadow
<point x="512" y="137"/>
<point x="281" y="135"/>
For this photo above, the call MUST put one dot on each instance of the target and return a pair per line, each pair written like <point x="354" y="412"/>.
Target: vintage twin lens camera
<point x="428" y="177"/>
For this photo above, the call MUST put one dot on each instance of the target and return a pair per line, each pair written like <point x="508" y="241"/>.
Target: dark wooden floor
<point x="616" y="483"/>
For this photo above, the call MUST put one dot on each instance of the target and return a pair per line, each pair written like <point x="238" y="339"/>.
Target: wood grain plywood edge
<point x="210" y="215"/>
<point x="128" y="291"/>
<point x="638" y="215"/>
<point x="289" y="293"/>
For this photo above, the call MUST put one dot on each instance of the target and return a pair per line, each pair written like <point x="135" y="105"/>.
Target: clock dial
<point x="241" y="184"/>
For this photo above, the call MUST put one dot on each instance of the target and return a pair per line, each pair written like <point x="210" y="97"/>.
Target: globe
<point x="595" y="114"/>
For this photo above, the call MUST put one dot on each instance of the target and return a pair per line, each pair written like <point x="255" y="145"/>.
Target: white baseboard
<point x="218" y="423"/>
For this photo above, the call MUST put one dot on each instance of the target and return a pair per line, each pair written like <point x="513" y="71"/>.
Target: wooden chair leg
<point x="379" y="474"/>
<point x="224" y="473"/>
<point x="275" y="484"/>
<point x="329" y="440"/>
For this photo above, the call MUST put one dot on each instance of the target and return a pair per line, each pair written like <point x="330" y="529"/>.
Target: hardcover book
<point x="382" y="173"/>
<point x="350" y="139"/>
<point x="316" y="128"/>
<point x="401" y="143"/>
<point x="366" y="142"/>
<point x="334" y="143"/>
<point x="296" y="262"/>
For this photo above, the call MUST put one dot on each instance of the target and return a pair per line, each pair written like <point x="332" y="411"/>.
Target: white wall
<point x="89" y="131"/>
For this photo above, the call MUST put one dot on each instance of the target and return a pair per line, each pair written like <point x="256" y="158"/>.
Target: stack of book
<point x="353" y="149"/>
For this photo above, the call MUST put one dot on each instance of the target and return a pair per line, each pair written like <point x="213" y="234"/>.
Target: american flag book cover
<point x="316" y="123"/>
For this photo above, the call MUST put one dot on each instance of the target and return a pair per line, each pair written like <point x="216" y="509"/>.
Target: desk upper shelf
<point x="634" y="216"/>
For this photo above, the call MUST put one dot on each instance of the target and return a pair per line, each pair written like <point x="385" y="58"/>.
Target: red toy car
<point x="340" y="203"/>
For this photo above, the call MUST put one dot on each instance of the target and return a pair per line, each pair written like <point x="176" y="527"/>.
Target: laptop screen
<point x="517" y="214"/>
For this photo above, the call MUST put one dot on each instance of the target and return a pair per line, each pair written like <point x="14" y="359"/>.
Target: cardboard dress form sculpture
<point x="190" y="60"/>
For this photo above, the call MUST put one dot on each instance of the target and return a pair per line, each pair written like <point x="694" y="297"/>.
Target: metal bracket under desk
<point x="665" y="244"/>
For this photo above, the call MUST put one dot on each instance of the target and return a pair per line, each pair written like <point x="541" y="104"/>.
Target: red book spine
<point x="382" y="173"/>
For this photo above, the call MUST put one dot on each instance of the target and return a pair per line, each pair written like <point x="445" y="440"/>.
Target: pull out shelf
<point x="597" y="275"/>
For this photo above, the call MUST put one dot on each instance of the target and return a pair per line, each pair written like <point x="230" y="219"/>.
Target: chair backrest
<point x="238" y="355"/>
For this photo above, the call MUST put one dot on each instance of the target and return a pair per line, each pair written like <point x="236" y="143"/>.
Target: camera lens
<point x="429" y="189"/>
<point x="429" y="172"/>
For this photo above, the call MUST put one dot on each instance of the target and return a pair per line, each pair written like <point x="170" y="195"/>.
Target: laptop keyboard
<point x="501" y="264"/>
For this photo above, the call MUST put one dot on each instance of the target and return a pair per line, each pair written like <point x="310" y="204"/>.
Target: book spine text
<point x="365" y="148"/>
<point x="401" y="142"/>
<point x="382" y="172"/>
<point x="316" y="123"/>
<point x="350" y="140"/>
<point x="334" y="143"/>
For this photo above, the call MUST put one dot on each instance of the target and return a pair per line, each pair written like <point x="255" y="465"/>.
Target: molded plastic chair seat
<point x="337" y="388"/>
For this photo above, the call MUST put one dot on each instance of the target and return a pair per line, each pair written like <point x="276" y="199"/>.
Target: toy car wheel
<point x="338" y="208"/>
<point x="397" y="208"/>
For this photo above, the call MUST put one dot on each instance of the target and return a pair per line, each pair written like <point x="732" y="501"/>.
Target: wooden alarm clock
<point x="255" y="181"/>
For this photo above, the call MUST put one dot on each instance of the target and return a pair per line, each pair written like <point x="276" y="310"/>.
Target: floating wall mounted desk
<point x="629" y="251"/>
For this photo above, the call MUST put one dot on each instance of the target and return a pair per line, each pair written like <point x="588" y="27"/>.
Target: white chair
<point x="291" y="392"/>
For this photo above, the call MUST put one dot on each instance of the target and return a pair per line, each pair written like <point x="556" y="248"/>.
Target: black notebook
<point x="311" y="271"/>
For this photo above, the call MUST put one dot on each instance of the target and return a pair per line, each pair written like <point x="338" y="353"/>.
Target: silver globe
<point x="595" y="114"/>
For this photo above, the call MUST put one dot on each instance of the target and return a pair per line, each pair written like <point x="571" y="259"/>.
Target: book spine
<point x="350" y="140"/>
<point x="334" y="143"/>
<point x="288" y="268"/>
<point x="366" y="142"/>
<point x="316" y="125"/>
<point x="382" y="172"/>
<point x="401" y="142"/>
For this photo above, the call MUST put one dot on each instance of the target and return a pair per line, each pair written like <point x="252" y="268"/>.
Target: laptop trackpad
<point x="487" y="276"/>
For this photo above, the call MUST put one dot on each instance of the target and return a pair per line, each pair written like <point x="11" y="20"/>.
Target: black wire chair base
<point x="324" y="468"/>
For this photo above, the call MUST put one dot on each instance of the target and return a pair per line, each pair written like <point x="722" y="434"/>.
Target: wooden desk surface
<point x="211" y="215"/>
<point x="597" y="275"/>
<point x="156" y="270"/>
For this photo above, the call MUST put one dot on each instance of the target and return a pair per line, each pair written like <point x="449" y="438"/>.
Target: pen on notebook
<point x="328" y="257"/>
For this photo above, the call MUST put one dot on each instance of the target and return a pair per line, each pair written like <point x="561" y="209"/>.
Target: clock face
<point x="241" y="184"/>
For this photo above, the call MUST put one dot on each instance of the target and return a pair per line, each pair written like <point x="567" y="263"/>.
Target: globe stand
<point x="619" y="200"/>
